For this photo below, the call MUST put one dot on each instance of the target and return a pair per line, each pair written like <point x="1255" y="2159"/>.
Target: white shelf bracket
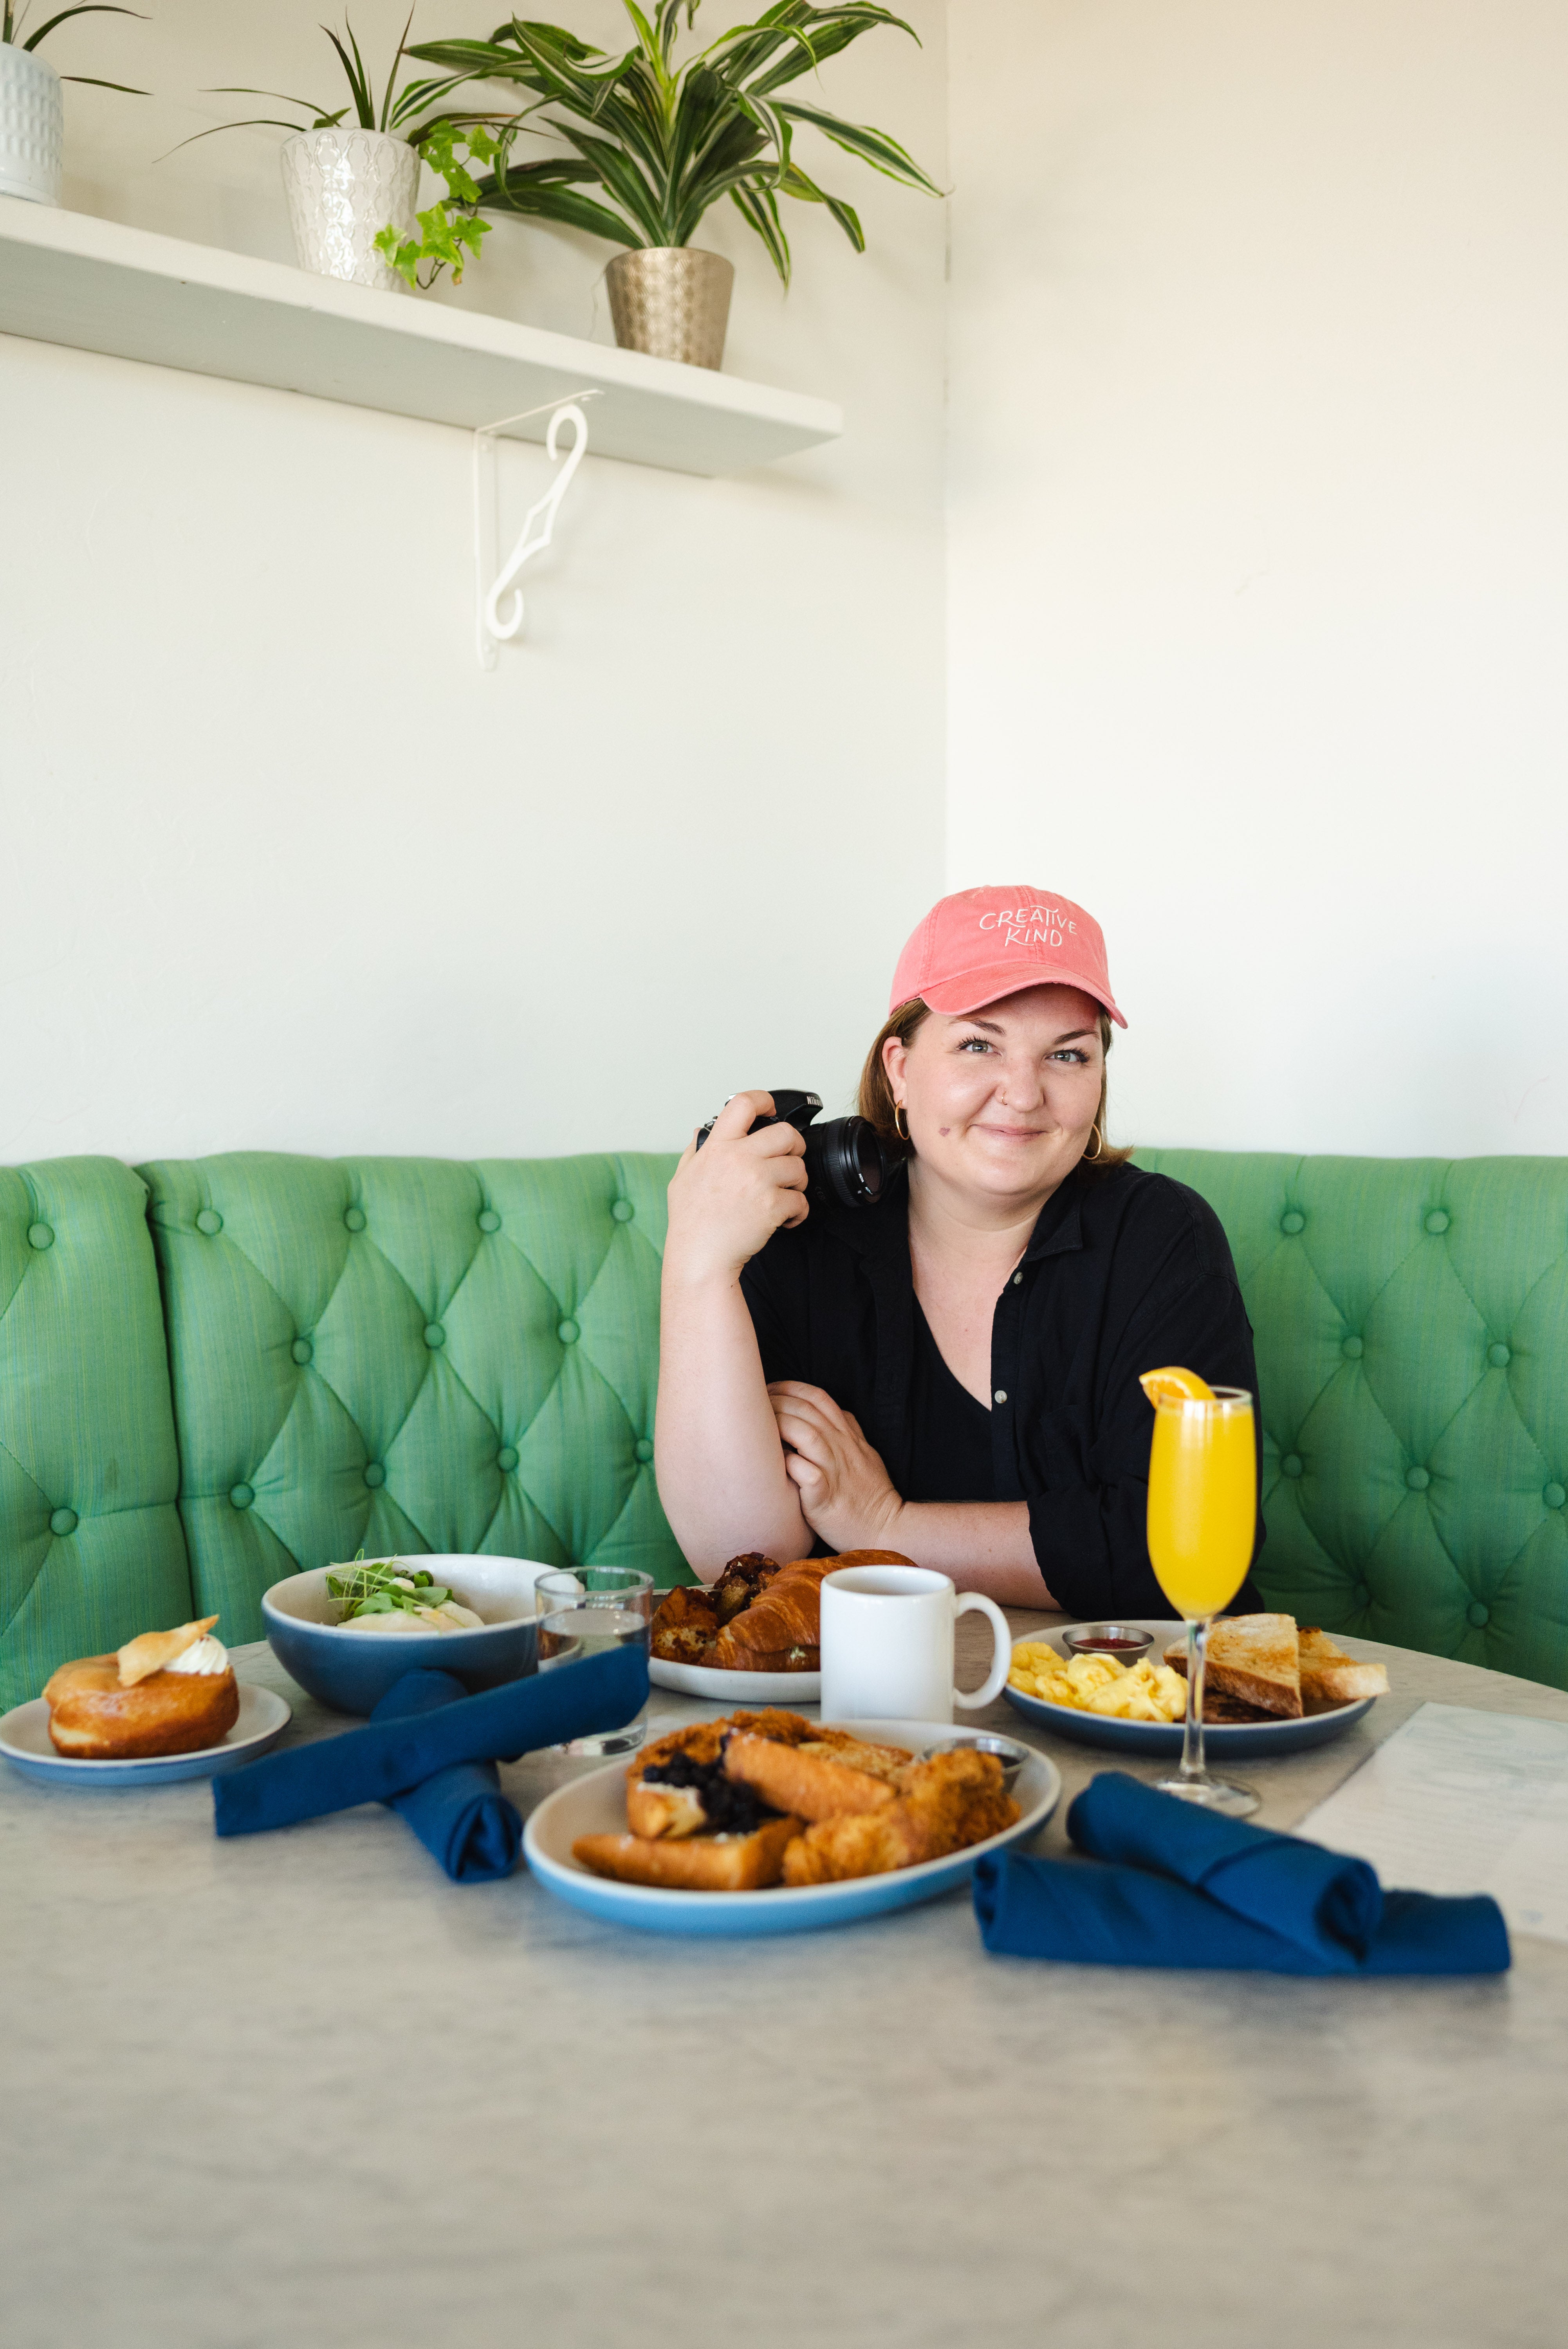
<point x="499" y="612"/>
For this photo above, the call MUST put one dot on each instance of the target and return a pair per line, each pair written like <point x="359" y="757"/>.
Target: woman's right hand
<point x="729" y="1198"/>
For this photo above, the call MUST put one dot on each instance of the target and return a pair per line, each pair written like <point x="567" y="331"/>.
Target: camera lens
<point x="847" y="1157"/>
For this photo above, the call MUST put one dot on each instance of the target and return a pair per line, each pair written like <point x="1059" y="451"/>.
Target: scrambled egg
<point x="1141" y="1692"/>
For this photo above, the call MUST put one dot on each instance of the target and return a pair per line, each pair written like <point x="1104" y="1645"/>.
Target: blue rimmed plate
<point x="1236" y="1741"/>
<point x="25" y="1743"/>
<point x="597" y="1806"/>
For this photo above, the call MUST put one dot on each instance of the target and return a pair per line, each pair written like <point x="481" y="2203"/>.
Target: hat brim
<point x="971" y="991"/>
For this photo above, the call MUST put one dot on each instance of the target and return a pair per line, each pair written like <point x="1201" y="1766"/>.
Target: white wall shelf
<point x="98" y="285"/>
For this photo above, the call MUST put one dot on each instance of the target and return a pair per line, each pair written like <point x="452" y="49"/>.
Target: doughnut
<point x="116" y="1709"/>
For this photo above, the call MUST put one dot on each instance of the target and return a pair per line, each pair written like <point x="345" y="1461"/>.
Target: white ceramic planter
<point x="343" y="187"/>
<point x="32" y="127"/>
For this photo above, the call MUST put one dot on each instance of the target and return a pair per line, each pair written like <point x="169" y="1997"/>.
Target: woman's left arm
<point x="847" y="1497"/>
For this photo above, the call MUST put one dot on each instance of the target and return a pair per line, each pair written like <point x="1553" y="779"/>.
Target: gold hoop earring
<point x="900" y="1123"/>
<point x="1098" y="1151"/>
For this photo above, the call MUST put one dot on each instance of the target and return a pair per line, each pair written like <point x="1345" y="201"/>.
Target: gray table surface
<point x="299" y="2089"/>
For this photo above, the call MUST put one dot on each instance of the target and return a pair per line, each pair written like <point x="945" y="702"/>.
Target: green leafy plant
<point x="451" y="232"/>
<point x="12" y="20"/>
<point x="413" y="113"/>
<point x="660" y="142"/>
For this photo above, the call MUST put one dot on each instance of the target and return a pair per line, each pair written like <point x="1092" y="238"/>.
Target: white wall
<point x="282" y="867"/>
<point x="1257" y="510"/>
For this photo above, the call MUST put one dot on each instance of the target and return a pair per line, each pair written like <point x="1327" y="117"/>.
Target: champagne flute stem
<point x="1192" y="1734"/>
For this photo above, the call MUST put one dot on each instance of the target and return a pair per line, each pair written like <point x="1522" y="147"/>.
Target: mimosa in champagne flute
<point x="1202" y="1518"/>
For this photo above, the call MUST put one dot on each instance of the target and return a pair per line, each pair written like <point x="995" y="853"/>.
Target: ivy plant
<point x="451" y="232"/>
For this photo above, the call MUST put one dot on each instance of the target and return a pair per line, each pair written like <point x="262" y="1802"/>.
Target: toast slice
<point x="1253" y="1658"/>
<point x="706" y="1863"/>
<point x="1330" y="1677"/>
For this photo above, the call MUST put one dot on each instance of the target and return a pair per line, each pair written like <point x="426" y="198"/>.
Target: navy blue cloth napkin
<point x="389" y="1758"/>
<point x="1212" y="1892"/>
<point x="461" y="1816"/>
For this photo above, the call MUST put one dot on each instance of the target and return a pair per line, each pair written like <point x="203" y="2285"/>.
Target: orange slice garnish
<point x="1175" y="1386"/>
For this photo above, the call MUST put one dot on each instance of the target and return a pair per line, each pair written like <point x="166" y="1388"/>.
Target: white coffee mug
<point x="887" y="1645"/>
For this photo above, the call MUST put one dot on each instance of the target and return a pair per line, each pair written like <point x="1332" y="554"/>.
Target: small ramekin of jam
<point x="1125" y="1641"/>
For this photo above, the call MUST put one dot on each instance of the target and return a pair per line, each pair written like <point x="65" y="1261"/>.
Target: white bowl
<point x="352" y="1671"/>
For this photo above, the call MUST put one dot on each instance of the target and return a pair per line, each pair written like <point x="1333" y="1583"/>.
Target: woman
<point x="954" y="1372"/>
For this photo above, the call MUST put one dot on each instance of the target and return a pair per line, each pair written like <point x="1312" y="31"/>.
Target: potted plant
<point x="32" y="117"/>
<point x="351" y="183"/>
<point x="659" y="144"/>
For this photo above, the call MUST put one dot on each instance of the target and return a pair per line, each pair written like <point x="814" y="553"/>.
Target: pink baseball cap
<point x="983" y="944"/>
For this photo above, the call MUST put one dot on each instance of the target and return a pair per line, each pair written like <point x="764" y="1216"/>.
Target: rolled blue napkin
<point x="1090" y="1914"/>
<point x="461" y="1816"/>
<point x="387" y="1758"/>
<point x="1322" y="1899"/>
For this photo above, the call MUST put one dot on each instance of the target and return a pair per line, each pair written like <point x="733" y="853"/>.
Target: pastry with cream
<point x="164" y="1692"/>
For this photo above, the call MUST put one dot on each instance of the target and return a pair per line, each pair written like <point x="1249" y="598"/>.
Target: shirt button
<point x="1001" y="1395"/>
<point x="1017" y="1278"/>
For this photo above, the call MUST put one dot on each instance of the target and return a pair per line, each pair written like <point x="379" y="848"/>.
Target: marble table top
<point x="298" y="2089"/>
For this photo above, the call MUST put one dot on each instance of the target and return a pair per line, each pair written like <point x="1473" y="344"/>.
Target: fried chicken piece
<point x="945" y="1804"/>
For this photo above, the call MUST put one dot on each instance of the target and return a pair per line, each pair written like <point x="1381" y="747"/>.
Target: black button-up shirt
<point x="1125" y="1272"/>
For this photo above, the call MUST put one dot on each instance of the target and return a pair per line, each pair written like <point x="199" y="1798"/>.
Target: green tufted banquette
<point x="434" y="1356"/>
<point x="410" y="1354"/>
<point x="1411" y="1318"/>
<point x="91" y="1545"/>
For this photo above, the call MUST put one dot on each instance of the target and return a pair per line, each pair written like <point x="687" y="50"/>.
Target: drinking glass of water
<point x="583" y="1611"/>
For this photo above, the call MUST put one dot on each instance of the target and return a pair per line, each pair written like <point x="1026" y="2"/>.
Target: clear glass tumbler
<point x="583" y="1611"/>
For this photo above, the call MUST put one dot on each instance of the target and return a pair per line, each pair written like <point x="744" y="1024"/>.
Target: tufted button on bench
<point x="1417" y="1479"/>
<point x="40" y="1236"/>
<point x="1438" y="1221"/>
<point x="1292" y="1221"/>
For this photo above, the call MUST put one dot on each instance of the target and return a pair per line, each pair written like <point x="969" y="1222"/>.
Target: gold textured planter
<point x="672" y="301"/>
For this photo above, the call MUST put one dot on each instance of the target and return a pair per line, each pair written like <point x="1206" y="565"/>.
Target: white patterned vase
<point x="32" y="127"/>
<point x="344" y="187"/>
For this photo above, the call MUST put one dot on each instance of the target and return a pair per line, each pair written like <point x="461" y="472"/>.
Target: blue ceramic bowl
<point x="352" y="1671"/>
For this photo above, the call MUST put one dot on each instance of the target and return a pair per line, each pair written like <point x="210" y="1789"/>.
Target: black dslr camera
<point x="846" y="1159"/>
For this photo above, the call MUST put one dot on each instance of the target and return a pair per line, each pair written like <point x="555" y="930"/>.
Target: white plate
<point x="25" y="1743"/>
<point x="1236" y="1741"/>
<point x="735" y="1688"/>
<point x="597" y="1806"/>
